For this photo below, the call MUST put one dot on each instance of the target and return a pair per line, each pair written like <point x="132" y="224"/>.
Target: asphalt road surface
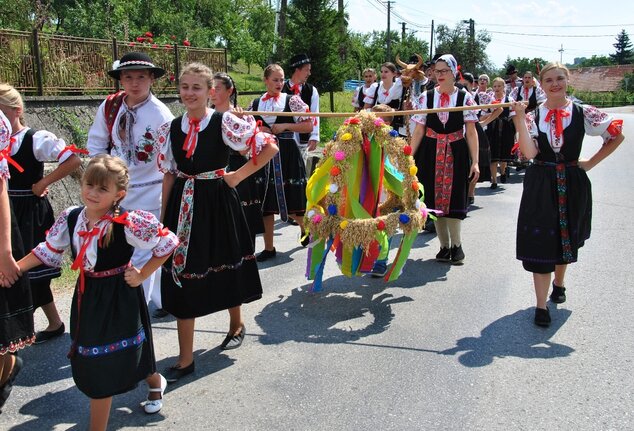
<point x="443" y="347"/>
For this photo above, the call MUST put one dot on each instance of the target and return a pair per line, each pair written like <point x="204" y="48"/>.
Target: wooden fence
<point x="46" y="64"/>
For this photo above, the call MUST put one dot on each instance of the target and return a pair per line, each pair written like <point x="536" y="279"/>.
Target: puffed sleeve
<point x="420" y="103"/>
<point x="48" y="147"/>
<point x="599" y="123"/>
<point x="470" y="115"/>
<point x="355" y="97"/>
<point x="145" y="232"/>
<point x="51" y="251"/>
<point x="369" y="94"/>
<point x="241" y="134"/>
<point x="165" y="160"/>
<point x="98" y="135"/>
<point x="297" y="105"/>
<point x="5" y="137"/>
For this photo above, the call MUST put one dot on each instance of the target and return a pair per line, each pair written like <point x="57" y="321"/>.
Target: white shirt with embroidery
<point x="46" y="146"/>
<point x="278" y="104"/>
<point x="395" y="92"/>
<point x="5" y="137"/>
<point x="236" y="134"/>
<point x="144" y="191"/>
<point x="470" y="116"/>
<point x="595" y="123"/>
<point x="143" y="233"/>
<point x="541" y="96"/>
<point x="314" y="107"/>
<point x="368" y="93"/>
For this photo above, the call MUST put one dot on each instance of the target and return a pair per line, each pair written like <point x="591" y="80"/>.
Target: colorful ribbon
<point x="444" y="167"/>
<point x="192" y="137"/>
<point x="73" y="149"/>
<point x="557" y="115"/>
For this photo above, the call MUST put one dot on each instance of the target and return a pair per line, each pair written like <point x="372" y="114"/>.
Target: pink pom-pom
<point x="317" y="218"/>
<point x="379" y="122"/>
<point x="340" y="155"/>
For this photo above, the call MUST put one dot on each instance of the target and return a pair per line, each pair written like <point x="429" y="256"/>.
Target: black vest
<point x="306" y="95"/>
<point x="33" y="168"/>
<point x="573" y="138"/>
<point x="278" y="120"/>
<point x="456" y="118"/>
<point x="211" y="152"/>
<point x="532" y="99"/>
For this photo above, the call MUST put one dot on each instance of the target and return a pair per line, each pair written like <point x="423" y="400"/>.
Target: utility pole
<point x="389" y="38"/>
<point x="561" y="54"/>
<point x="431" y="42"/>
<point x="402" y="31"/>
<point x="471" y="44"/>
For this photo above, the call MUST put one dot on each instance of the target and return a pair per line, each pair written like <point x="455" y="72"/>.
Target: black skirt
<point x="249" y="197"/>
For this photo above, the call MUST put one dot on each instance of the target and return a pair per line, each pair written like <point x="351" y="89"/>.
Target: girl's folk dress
<point x="16" y="309"/>
<point x="30" y="149"/>
<point x="501" y="135"/>
<point x="214" y="267"/>
<point x="282" y="183"/>
<point x="110" y="329"/>
<point x="442" y="158"/>
<point x="556" y="208"/>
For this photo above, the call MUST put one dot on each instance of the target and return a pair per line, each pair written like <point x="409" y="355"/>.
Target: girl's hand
<point x="9" y="270"/>
<point x="133" y="277"/>
<point x="39" y="189"/>
<point x="237" y="111"/>
<point x="278" y="128"/>
<point x="231" y="179"/>
<point x="474" y="173"/>
<point x="586" y="165"/>
<point x="519" y="108"/>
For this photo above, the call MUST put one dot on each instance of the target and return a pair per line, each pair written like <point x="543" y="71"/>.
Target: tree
<point x="595" y="60"/>
<point x="523" y="64"/>
<point x="455" y="41"/>
<point x="624" y="53"/>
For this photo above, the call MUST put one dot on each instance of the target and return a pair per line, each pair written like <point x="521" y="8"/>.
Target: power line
<point x="550" y="35"/>
<point x="557" y="26"/>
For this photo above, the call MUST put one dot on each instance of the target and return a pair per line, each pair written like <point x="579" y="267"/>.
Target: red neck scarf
<point x="295" y="89"/>
<point x="444" y="100"/>
<point x="526" y="93"/>
<point x="558" y="115"/>
<point x="192" y="137"/>
<point x="268" y="96"/>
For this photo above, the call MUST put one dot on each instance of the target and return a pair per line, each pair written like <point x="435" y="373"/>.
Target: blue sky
<point x="558" y="20"/>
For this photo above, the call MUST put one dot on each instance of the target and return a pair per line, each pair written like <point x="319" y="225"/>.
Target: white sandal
<point x="154" y="406"/>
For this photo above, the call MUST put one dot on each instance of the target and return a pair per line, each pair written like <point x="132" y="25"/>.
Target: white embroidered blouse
<point x="236" y="134"/>
<point x="46" y="146"/>
<point x="5" y="137"/>
<point x="596" y="123"/>
<point x="470" y="116"/>
<point x="144" y="233"/>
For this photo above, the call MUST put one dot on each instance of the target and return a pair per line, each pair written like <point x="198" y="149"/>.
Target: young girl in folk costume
<point x="390" y="92"/>
<point x="556" y="208"/>
<point x="28" y="188"/>
<point x="126" y="126"/>
<point x="110" y="328"/>
<point x="446" y="162"/>
<point x="16" y="311"/>
<point x="214" y="268"/>
<point x="365" y="93"/>
<point x="501" y="134"/>
<point x="283" y="182"/>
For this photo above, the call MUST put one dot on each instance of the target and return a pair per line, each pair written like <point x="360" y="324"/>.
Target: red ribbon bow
<point x="73" y="149"/>
<point x="525" y="93"/>
<point x="268" y="96"/>
<point x="295" y="89"/>
<point x="163" y="231"/>
<point x="192" y="136"/>
<point x="6" y="154"/>
<point x="386" y="93"/>
<point x="444" y="100"/>
<point x="251" y="141"/>
<point x="87" y="236"/>
<point x="558" y="115"/>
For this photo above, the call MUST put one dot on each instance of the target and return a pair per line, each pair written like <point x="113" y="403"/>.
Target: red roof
<point x="599" y="78"/>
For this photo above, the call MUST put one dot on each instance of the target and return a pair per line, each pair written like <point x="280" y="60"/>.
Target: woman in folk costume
<point x="501" y="134"/>
<point x="446" y="161"/>
<point x="556" y="208"/>
<point x="16" y="310"/>
<point x="214" y="267"/>
<point x="28" y="189"/>
<point x="390" y="93"/>
<point x="365" y="93"/>
<point x="126" y="126"/>
<point x="283" y="181"/>
<point x="112" y="347"/>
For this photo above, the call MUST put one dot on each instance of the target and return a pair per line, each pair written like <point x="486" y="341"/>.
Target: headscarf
<point x="451" y="62"/>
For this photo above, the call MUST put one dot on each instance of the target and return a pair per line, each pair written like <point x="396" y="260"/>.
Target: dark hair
<point x="468" y="77"/>
<point x="228" y="82"/>
<point x="389" y="66"/>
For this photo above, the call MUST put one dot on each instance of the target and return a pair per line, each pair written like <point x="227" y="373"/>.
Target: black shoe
<point x="457" y="255"/>
<point x="558" y="296"/>
<point x="520" y="168"/>
<point x="266" y="255"/>
<point x="7" y="387"/>
<point x="292" y="222"/>
<point x="430" y="226"/>
<point x="471" y="200"/>
<point x="44" y="336"/>
<point x="444" y="255"/>
<point x="542" y="317"/>
<point x="503" y="178"/>
<point x="173" y="374"/>
<point x="233" y="341"/>
<point x="304" y="241"/>
<point x="159" y="313"/>
<point x="494" y="186"/>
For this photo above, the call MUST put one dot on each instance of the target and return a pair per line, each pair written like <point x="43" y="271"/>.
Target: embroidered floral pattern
<point x="15" y="345"/>
<point x="146" y="146"/>
<point x="5" y="136"/>
<point x="105" y="349"/>
<point x="165" y="160"/>
<point x="195" y="276"/>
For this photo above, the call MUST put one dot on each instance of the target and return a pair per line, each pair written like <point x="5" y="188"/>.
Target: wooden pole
<point x="379" y="114"/>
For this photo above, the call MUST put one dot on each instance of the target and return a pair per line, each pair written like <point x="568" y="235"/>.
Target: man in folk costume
<point x="126" y="126"/>
<point x="513" y="81"/>
<point x="300" y="68"/>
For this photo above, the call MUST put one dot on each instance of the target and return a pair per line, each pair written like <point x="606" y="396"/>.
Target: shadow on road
<point x="513" y="335"/>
